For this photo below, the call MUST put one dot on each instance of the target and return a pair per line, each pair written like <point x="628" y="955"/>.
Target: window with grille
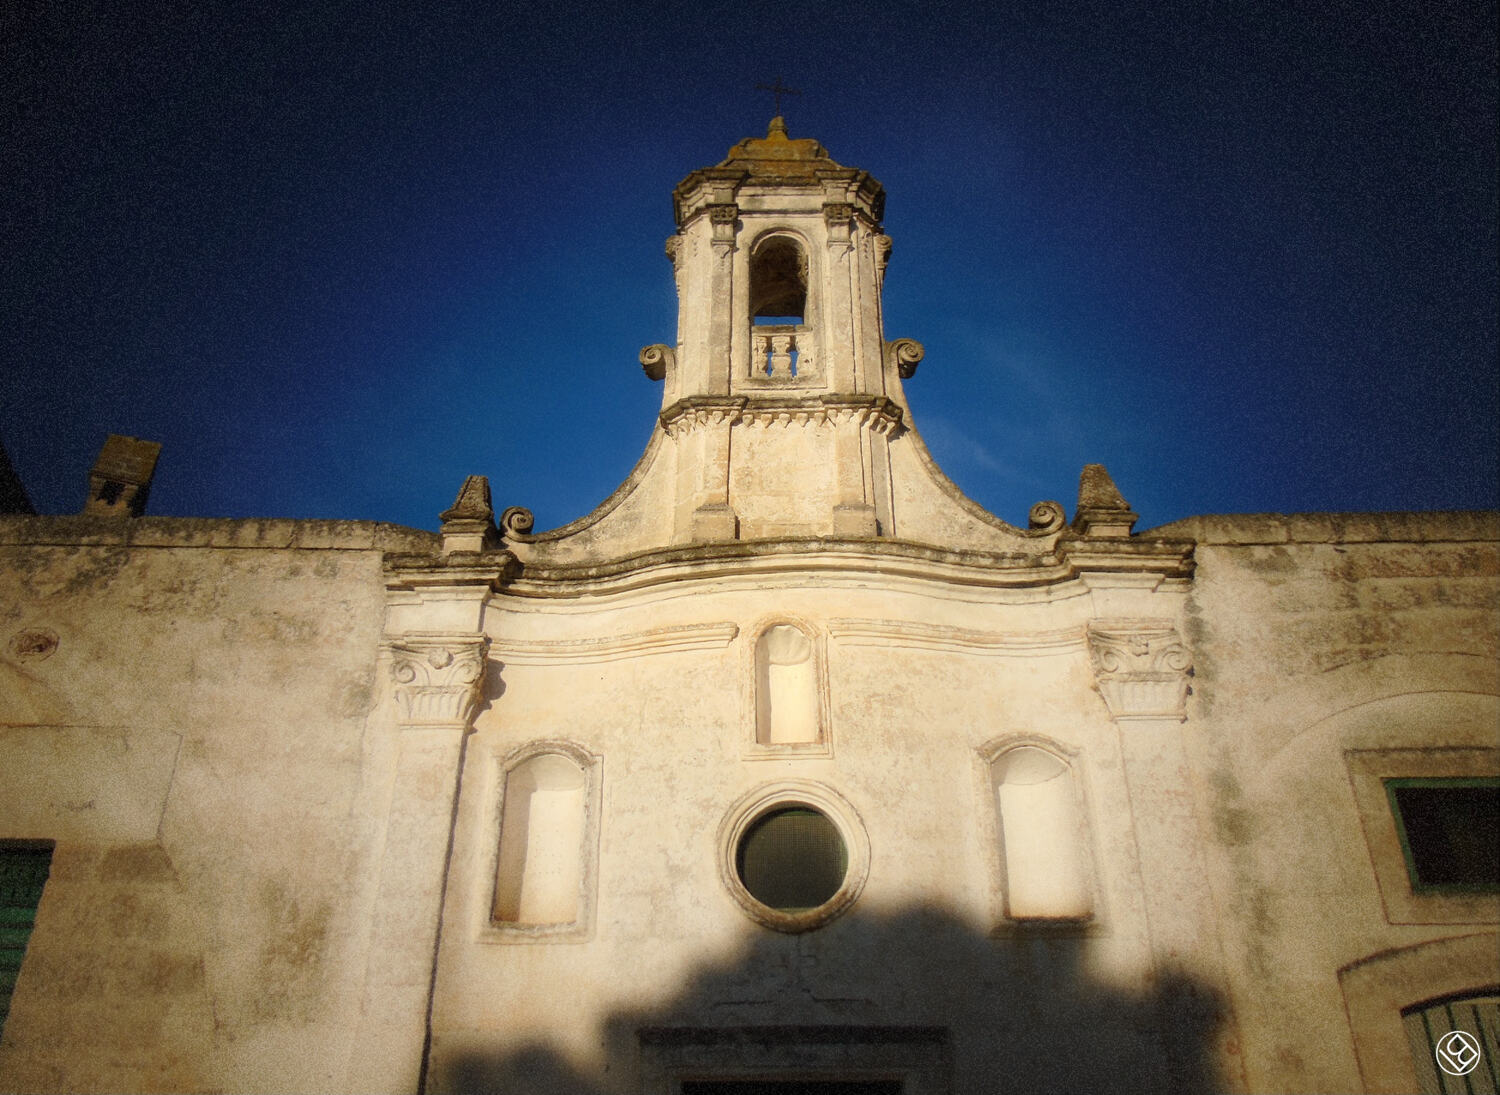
<point x="23" y="873"/>
<point x="792" y="859"/>
<point x="1467" y="1062"/>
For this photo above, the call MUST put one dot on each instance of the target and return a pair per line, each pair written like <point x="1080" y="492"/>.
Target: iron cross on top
<point x="777" y="89"/>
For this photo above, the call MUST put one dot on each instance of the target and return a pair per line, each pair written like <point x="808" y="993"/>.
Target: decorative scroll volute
<point x="438" y="678"/>
<point x="906" y="354"/>
<point x="658" y="360"/>
<point x="1141" y="667"/>
<point x="1045" y="517"/>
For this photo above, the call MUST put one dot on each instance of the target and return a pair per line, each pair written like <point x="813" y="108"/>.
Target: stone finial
<point x="1141" y="668"/>
<point x="469" y="524"/>
<point x="1102" y="510"/>
<point x="121" y="477"/>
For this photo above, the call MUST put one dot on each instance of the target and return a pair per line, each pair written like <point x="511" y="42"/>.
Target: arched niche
<point x="544" y="867"/>
<point x="788" y="701"/>
<point x="1045" y="864"/>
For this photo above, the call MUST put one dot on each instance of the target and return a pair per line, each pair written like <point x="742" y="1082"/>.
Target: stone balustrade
<point x="781" y="351"/>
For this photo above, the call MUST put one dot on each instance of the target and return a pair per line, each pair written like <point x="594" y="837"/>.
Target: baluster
<point x="781" y="355"/>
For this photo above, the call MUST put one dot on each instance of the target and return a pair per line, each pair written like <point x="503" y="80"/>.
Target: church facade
<point x="788" y="768"/>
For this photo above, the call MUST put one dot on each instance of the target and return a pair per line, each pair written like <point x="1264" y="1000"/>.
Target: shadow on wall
<point x="1014" y="1013"/>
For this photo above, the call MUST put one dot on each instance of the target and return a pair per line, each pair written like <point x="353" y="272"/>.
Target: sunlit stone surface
<point x="345" y="807"/>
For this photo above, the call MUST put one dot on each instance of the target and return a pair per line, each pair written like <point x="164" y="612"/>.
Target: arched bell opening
<point x="780" y="325"/>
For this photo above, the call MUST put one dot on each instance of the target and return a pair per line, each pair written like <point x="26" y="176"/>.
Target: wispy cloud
<point x="949" y="443"/>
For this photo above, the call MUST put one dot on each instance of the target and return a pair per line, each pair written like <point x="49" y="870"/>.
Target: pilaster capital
<point x="723" y="217"/>
<point x="1141" y="667"/>
<point x="438" y="677"/>
<point x="839" y="217"/>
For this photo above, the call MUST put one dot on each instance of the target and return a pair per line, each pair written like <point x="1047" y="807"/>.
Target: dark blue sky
<point x="337" y="257"/>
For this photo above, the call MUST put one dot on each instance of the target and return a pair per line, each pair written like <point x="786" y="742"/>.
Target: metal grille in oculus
<point x="792" y="859"/>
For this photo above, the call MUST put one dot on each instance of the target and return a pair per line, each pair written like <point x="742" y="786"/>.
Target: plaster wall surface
<point x="211" y="738"/>
<point x="1319" y="640"/>
<point x="185" y="713"/>
<point x="1312" y="639"/>
<point x="674" y="730"/>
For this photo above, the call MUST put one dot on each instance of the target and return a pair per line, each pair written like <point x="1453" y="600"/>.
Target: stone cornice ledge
<point x="657" y="640"/>
<point x="411" y="571"/>
<point x="213" y="532"/>
<point x="876" y="411"/>
<point x="1049" y="563"/>
<point x="1436" y="526"/>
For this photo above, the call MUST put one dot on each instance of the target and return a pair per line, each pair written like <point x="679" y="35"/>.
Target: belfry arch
<point x="779" y="280"/>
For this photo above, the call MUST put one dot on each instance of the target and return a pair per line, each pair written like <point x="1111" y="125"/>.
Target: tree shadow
<point x="917" y="996"/>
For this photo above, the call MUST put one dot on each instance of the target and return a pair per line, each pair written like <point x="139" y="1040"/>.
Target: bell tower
<point x="781" y="394"/>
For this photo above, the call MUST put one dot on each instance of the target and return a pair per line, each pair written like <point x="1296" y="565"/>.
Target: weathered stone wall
<point x="1236" y="904"/>
<point x="199" y="714"/>
<point x="1318" y="637"/>
<point x="184" y="712"/>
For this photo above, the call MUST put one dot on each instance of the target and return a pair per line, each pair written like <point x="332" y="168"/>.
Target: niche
<point x="786" y="688"/>
<point x="543" y="863"/>
<point x="1043" y="840"/>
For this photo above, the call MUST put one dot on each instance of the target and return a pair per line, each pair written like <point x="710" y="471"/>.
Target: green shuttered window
<point x="23" y="873"/>
<point x="1447" y="829"/>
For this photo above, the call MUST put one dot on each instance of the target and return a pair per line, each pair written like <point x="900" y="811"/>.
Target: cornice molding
<point x="488" y="570"/>
<point x="873" y="412"/>
<point x="656" y="640"/>
<point x="1039" y="561"/>
<point x="962" y="640"/>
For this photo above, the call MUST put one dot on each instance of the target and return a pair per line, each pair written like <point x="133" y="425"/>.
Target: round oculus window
<point x="792" y="859"/>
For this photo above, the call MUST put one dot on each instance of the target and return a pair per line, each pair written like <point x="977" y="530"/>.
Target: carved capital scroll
<point x="882" y="255"/>
<point x="658" y="360"/>
<point x="839" y="217"/>
<point x="723" y="216"/>
<point x="906" y="354"/>
<point x="1141" y="667"/>
<point x="438" y="677"/>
